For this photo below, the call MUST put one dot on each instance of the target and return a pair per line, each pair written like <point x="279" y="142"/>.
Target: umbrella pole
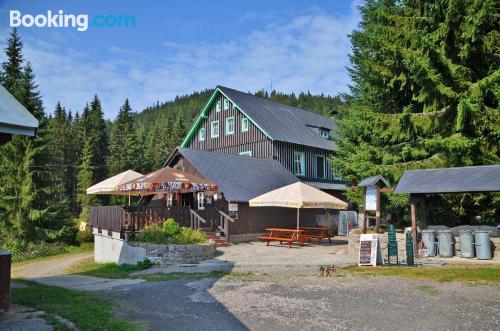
<point x="129" y="198"/>
<point x="298" y="218"/>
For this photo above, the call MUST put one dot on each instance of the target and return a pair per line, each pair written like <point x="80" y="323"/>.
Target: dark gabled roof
<point x="240" y="178"/>
<point x="282" y="122"/>
<point x="370" y="181"/>
<point x="450" y="180"/>
<point x="14" y="117"/>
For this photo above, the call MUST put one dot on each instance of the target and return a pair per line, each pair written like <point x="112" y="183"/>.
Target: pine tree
<point x="96" y="134"/>
<point x="123" y="144"/>
<point x="425" y="92"/>
<point x="12" y="68"/>
<point x="31" y="194"/>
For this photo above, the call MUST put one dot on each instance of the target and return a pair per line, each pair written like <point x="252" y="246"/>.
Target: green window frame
<point x="230" y="128"/>
<point x="316" y="166"/>
<point x="246" y="153"/>
<point x="299" y="163"/>
<point x="244" y="124"/>
<point x="214" y="129"/>
<point x="201" y="134"/>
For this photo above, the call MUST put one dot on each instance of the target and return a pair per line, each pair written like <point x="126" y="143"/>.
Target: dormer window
<point x="324" y="133"/>
<point x="226" y="104"/>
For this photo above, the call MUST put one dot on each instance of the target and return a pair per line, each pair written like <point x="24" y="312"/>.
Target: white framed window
<point x="214" y="129"/>
<point x="217" y="106"/>
<point x="201" y="135"/>
<point x="320" y="166"/>
<point x="230" y="125"/>
<point x="170" y="199"/>
<point x="324" y="133"/>
<point x="200" y="197"/>
<point x="299" y="163"/>
<point x="244" y="124"/>
<point x="226" y="104"/>
<point x="246" y="153"/>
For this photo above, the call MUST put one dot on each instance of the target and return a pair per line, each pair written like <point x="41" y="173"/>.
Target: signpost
<point x="409" y="250"/>
<point x="392" y="246"/>
<point x="369" y="250"/>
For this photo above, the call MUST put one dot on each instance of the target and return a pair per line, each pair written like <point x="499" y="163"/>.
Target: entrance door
<point x="186" y="200"/>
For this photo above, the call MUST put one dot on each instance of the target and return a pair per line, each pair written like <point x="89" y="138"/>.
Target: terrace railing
<point x="136" y="218"/>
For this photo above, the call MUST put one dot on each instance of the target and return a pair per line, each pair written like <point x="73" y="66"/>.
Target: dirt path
<point x="48" y="267"/>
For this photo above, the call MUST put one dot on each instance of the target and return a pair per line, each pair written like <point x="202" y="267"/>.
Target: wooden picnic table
<point x="284" y="235"/>
<point x="318" y="232"/>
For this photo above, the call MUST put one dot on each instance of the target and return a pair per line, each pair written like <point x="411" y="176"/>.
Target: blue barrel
<point x="446" y="244"/>
<point x="483" y="248"/>
<point x="429" y="239"/>
<point x="466" y="243"/>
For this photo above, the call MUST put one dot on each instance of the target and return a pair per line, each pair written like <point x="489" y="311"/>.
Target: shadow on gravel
<point x="183" y="304"/>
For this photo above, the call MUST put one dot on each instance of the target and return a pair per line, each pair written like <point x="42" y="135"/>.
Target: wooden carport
<point x="419" y="183"/>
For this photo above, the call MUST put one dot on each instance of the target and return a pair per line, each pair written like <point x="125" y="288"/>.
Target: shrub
<point x="154" y="234"/>
<point x="85" y="236"/>
<point x="171" y="228"/>
<point x="190" y="236"/>
<point x="171" y="233"/>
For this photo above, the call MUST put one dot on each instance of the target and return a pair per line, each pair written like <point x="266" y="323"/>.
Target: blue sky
<point x="177" y="47"/>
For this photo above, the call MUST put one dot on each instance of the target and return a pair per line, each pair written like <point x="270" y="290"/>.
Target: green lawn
<point x="112" y="270"/>
<point x="87" y="310"/>
<point x="440" y="273"/>
<point x="106" y="270"/>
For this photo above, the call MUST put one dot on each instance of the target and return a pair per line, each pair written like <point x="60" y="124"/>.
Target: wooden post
<point x="413" y="209"/>
<point x="365" y="221"/>
<point x="377" y="211"/>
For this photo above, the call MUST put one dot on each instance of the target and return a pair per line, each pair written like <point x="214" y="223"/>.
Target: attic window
<point x="217" y="106"/>
<point x="226" y="104"/>
<point x="201" y="136"/>
<point x="244" y="124"/>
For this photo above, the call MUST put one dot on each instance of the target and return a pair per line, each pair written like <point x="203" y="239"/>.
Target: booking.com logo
<point x="61" y="20"/>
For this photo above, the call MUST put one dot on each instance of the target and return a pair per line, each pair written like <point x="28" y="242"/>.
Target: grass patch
<point x="107" y="270"/>
<point x="87" y="310"/>
<point x="442" y="273"/>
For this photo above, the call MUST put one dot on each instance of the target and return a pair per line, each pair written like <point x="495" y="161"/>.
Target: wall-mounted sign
<point x="371" y="199"/>
<point x="233" y="207"/>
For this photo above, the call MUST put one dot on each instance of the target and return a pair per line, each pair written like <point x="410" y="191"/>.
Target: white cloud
<point x="309" y="52"/>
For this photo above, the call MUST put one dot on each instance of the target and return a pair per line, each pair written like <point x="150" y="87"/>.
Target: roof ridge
<point x="274" y="101"/>
<point x="468" y="167"/>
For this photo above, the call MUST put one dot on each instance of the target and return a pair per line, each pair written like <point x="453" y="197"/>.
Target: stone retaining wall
<point x="110" y="247"/>
<point x="353" y="245"/>
<point x="175" y="254"/>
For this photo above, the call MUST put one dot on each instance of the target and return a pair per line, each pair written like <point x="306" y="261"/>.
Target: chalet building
<point x="249" y="146"/>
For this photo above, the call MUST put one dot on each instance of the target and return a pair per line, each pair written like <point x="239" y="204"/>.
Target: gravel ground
<point x="309" y="302"/>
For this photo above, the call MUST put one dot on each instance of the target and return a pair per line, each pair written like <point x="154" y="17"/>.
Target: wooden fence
<point x="136" y="218"/>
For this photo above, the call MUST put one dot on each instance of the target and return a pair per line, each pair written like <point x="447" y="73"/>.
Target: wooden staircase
<point x="219" y="241"/>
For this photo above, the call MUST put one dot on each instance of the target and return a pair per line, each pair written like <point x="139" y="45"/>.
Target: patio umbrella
<point x="109" y="186"/>
<point x="298" y="195"/>
<point x="167" y="180"/>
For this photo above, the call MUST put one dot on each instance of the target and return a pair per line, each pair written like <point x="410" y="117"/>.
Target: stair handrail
<point x="226" y="215"/>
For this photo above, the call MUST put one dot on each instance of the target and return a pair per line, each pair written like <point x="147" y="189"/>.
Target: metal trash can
<point x="446" y="244"/>
<point x="429" y="239"/>
<point x="483" y="247"/>
<point x="5" y="261"/>
<point x="466" y="243"/>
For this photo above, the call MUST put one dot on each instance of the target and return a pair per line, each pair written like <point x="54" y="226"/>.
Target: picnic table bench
<point x="284" y="235"/>
<point x="317" y="232"/>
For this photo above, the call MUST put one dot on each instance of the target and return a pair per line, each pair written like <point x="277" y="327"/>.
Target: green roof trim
<point x="204" y="115"/>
